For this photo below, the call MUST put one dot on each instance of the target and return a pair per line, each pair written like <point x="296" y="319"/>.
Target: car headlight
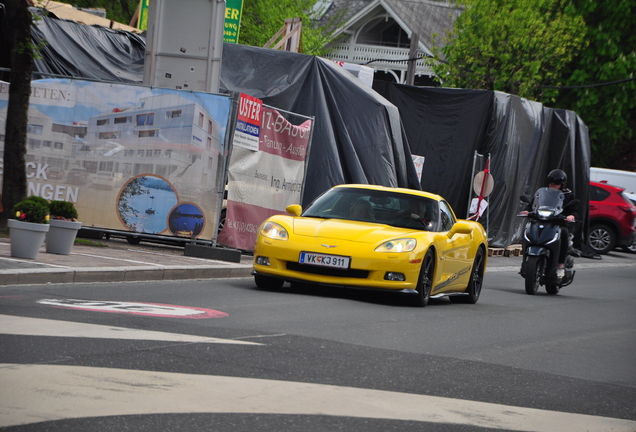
<point x="545" y="213"/>
<point x="274" y="231"/>
<point x="398" y="245"/>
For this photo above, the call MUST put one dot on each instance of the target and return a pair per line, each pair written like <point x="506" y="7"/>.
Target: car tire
<point x="535" y="267"/>
<point x="268" y="282"/>
<point x="475" y="282"/>
<point x="602" y="238"/>
<point x="425" y="280"/>
<point x="629" y="248"/>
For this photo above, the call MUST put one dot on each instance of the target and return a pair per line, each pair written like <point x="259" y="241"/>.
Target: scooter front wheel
<point x="535" y="267"/>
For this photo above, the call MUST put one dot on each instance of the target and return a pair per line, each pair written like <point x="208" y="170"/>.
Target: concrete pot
<point x="61" y="236"/>
<point x="26" y="238"/>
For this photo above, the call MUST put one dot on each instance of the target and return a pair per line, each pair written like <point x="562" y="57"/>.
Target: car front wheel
<point x="268" y="282"/>
<point x="425" y="281"/>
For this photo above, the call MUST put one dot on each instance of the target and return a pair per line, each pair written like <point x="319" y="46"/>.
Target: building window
<point x="148" y="133"/>
<point x="149" y="153"/>
<point x="168" y="153"/>
<point x="129" y="153"/>
<point x="120" y="120"/>
<point x="34" y="143"/>
<point x="35" y="129"/>
<point x="210" y="162"/>
<point x="145" y="119"/>
<point x="156" y="153"/>
<point x="109" y="135"/>
<point x="102" y="122"/>
<point x="209" y="143"/>
<point x="201" y="119"/>
<point x="173" y="114"/>
<point x="210" y="126"/>
<point x="140" y="153"/>
<point x="59" y="145"/>
<point x="46" y="144"/>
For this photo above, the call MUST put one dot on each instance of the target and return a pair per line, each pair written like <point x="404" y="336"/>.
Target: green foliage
<point x="63" y="209"/>
<point x="609" y="111"/>
<point x="510" y="45"/>
<point x="121" y="11"/>
<point x="262" y="19"/>
<point x="32" y="209"/>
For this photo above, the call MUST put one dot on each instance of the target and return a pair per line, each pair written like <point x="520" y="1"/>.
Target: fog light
<point x="393" y="276"/>
<point x="261" y="260"/>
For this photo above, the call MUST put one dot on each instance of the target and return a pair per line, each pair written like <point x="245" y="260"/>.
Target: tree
<point x="511" y="45"/>
<point x="121" y="11"/>
<point x="22" y="52"/>
<point x="609" y="111"/>
<point x="263" y="18"/>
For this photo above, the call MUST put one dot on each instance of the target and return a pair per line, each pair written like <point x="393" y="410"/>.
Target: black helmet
<point x="557" y="177"/>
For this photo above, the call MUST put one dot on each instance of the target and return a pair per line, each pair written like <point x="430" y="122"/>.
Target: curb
<point x="121" y="274"/>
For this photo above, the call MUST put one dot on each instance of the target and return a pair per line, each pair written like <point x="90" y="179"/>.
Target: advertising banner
<point x="233" y="12"/>
<point x="265" y="181"/>
<point x="131" y="158"/>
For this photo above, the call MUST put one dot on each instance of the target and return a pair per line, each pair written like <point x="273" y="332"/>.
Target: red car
<point x="612" y="218"/>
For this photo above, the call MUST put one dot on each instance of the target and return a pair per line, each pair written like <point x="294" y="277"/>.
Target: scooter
<point x="542" y="241"/>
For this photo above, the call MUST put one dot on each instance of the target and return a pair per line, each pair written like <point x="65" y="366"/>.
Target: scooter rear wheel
<point x="535" y="267"/>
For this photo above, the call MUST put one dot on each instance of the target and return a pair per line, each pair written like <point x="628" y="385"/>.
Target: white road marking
<point x="36" y="393"/>
<point x="16" y="325"/>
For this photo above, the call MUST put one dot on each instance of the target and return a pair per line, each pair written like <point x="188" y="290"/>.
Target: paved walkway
<point x="116" y="261"/>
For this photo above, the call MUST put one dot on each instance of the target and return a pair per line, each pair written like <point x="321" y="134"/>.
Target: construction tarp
<point x="525" y="141"/>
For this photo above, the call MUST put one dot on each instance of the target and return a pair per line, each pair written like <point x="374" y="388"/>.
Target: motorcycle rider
<point x="557" y="179"/>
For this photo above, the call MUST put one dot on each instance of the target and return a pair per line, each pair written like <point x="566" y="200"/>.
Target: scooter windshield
<point x="548" y="202"/>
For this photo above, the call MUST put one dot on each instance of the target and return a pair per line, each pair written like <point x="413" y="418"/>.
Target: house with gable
<point x="377" y="34"/>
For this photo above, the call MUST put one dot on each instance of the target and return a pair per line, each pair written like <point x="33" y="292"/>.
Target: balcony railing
<point x="362" y="54"/>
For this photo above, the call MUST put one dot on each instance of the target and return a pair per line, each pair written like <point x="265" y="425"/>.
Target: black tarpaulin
<point x="96" y="52"/>
<point x="525" y="140"/>
<point x="357" y="135"/>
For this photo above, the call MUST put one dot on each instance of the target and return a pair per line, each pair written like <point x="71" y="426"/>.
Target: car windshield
<point x="367" y="205"/>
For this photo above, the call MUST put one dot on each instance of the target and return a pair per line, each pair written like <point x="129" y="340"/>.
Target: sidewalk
<point x="118" y="261"/>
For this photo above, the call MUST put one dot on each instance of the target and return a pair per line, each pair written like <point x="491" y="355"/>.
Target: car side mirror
<point x="294" y="209"/>
<point x="460" y="228"/>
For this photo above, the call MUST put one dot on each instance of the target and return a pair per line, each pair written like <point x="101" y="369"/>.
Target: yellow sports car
<point x="374" y="237"/>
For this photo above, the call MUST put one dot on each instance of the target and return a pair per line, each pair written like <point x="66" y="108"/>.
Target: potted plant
<point x="64" y="227"/>
<point x="28" y="227"/>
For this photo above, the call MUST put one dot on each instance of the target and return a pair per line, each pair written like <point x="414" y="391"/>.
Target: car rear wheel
<point x="425" y="281"/>
<point x="602" y="238"/>
<point x="268" y="282"/>
<point x="475" y="283"/>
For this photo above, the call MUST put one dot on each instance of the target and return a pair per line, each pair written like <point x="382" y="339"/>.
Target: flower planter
<point x="26" y="238"/>
<point x="61" y="236"/>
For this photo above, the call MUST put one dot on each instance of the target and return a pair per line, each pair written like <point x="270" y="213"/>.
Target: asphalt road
<point x="223" y="355"/>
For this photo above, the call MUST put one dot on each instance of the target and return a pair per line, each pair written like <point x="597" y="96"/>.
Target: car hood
<point x="348" y="230"/>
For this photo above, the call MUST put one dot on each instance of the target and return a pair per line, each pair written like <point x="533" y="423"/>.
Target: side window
<point x="598" y="194"/>
<point x="447" y="220"/>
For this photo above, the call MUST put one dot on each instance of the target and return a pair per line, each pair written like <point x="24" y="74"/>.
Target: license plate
<point x="323" y="260"/>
